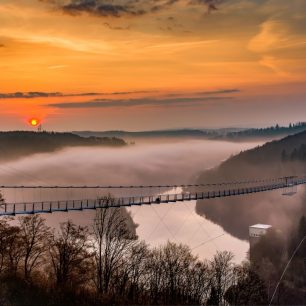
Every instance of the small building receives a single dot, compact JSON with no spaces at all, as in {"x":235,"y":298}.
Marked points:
{"x":256,"y":232}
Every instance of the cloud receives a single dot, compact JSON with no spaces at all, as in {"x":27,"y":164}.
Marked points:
{"x":39,"y":94}
{"x":212,"y":5}
{"x":106,"y":103}
{"x":101,"y":8}
{"x":110,"y":26}
{"x":273,"y":35}
{"x":220,"y":91}
{"x":116,"y":8}
{"x":207,"y":93}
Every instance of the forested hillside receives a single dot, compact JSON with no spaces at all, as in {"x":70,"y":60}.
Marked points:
{"x":269,"y":132}
{"x":17,"y":144}
{"x":275,"y":159}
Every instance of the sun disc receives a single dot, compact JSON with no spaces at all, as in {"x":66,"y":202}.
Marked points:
{"x":34,"y":122}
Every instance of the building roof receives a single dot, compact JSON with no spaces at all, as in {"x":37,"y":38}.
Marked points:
{"x":263,"y":226}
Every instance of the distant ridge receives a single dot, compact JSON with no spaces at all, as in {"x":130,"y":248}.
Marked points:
{"x":229,"y":134}
{"x":150,"y":134}
{"x":16,"y":144}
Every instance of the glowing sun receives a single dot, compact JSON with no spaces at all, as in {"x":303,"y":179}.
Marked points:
{"x":34,"y":122}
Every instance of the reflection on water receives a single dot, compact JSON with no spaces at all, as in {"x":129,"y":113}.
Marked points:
{"x":178,"y":222}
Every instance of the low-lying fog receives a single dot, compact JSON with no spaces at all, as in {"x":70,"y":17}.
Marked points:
{"x":144,"y":164}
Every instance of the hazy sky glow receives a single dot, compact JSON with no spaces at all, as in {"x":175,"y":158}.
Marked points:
{"x":152,"y":64}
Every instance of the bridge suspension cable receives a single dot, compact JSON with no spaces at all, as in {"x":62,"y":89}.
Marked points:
{"x":241,"y":182}
{"x":105,"y":202}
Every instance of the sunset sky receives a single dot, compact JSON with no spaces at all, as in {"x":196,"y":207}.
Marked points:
{"x":152,"y":64}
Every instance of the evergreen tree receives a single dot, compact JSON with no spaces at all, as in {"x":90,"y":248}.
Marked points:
{"x":2,"y":201}
{"x":301,"y":233}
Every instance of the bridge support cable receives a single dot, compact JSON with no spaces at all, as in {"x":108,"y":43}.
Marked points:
{"x":207,"y":241}
{"x":164,"y":223}
{"x":201,"y":225}
{"x":159,"y":222}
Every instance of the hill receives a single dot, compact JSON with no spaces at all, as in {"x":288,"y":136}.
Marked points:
{"x":191,"y":133}
{"x":274,"y":159}
{"x":18,"y":144}
{"x":271,"y":132}
{"x":228,"y":134}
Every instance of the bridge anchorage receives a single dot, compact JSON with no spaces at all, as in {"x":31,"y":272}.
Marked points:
{"x":217,"y":190}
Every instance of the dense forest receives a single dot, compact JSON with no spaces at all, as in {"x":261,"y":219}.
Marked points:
{"x":274,"y":159}
{"x":269,"y":132}
{"x":270,"y":152}
{"x":21,"y":143}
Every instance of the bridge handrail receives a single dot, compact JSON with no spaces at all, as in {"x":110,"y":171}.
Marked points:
{"x":77,"y":204}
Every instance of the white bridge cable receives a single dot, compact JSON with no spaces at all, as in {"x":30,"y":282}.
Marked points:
{"x":187,"y":217}
{"x":209,"y":240}
{"x":241,"y":182}
{"x":159,"y":222}
{"x":164,"y":223}
{"x":200,"y":224}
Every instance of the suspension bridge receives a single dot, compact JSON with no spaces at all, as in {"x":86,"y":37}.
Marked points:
{"x":216,"y":190}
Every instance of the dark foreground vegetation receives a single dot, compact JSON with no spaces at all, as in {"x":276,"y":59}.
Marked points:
{"x":21,"y":143}
{"x":106,"y":264}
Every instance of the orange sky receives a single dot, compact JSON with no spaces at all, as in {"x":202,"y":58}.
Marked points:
{"x":176,"y":63}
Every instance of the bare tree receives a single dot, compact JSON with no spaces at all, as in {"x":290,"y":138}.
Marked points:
{"x":222,"y":276}
{"x":34,"y":235}
{"x":247,"y":287}
{"x":14,"y":250}
{"x":198,"y":282}
{"x":69,"y":254}
{"x":4,"y":227}
{"x":176,"y":263}
{"x":176,"y":276}
{"x":131,"y":278}
{"x":155,"y":277}
{"x":112,"y":242}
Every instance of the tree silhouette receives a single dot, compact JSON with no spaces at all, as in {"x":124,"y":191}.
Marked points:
{"x":69,"y":254}
{"x":34,"y":234}
{"x":112,"y":241}
{"x":2,"y":200}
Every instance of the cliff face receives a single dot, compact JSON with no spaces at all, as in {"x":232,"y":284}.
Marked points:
{"x":272,"y":160}
{"x":18,"y":144}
